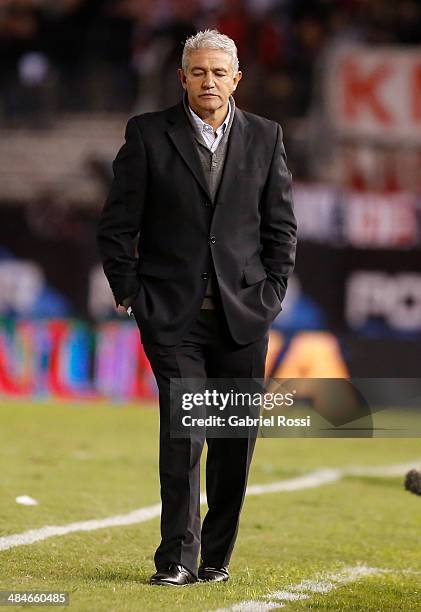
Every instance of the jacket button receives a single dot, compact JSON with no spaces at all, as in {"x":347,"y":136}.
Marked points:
{"x":204,"y":276}
{"x":213,"y":239}
{"x":206,"y":204}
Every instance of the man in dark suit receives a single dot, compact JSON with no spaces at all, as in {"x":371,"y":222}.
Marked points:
{"x":206,"y":187}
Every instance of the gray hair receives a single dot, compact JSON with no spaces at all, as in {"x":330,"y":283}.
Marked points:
{"x":210,"y":39}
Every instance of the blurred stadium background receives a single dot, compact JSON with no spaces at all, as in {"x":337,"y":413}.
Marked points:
{"x":344,"y":80}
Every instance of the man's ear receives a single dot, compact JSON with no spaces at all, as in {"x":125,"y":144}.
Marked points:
{"x":237,"y":79}
{"x":182,"y":77}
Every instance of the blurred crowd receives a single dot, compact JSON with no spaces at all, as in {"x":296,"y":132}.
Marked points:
{"x":121,"y":55}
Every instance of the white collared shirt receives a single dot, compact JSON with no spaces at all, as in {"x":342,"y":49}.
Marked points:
{"x":212,"y":137}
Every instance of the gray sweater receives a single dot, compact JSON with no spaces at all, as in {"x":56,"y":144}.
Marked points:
{"x":213,"y":166}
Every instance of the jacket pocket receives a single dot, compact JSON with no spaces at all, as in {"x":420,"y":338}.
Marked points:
{"x":254,"y":273}
{"x":151,"y":268}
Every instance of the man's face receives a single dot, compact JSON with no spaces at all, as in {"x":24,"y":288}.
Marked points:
{"x":209,"y":80}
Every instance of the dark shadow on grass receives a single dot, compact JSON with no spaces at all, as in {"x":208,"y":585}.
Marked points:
{"x":140,"y":576}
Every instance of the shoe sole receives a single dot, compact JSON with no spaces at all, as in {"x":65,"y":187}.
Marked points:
{"x":171,"y":584}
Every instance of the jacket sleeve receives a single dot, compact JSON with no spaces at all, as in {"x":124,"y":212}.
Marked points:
{"x":278,"y":227}
{"x":120,"y":219}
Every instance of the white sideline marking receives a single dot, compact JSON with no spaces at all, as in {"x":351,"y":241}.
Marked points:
{"x":36,"y":535}
{"x":311,"y":480}
{"x":288,"y":596}
{"x":253,"y":606}
{"x":328,"y":582}
{"x":386,"y":470}
{"x":308,"y":481}
{"x":323,"y":584}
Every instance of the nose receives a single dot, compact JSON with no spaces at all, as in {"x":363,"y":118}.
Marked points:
{"x":208,"y":81}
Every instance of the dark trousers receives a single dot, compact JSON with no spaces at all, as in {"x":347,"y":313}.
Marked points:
{"x":207,"y":351}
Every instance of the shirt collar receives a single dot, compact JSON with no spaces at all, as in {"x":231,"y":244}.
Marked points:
{"x":201,"y":124}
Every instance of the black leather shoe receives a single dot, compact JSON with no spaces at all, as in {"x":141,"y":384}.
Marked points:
{"x":207,"y":573}
{"x":173,"y":575}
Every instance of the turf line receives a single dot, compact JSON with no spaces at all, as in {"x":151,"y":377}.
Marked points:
{"x":316,"y":478}
{"x":323,"y":584}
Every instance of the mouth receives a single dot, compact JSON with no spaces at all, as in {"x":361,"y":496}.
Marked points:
{"x":208,"y":96}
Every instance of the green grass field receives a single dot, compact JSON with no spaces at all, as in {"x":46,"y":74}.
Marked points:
{"x":94,"y":461}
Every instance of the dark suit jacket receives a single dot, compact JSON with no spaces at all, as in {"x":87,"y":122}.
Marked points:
{"x":249,"y":236}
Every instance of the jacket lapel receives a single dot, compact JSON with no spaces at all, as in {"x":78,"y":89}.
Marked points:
{"x":181,"y":135}
{"x":238,"y":143}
